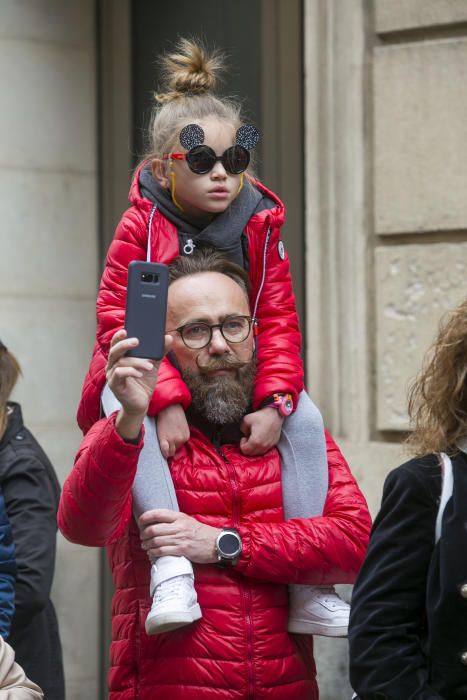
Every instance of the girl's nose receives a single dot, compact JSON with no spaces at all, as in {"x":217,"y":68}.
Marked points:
{"x":218,"y":171}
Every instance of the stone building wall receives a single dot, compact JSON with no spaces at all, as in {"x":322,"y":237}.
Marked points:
{"x":386,"y":173}
{"x":386,"y":176}
{"x":48,"y":261}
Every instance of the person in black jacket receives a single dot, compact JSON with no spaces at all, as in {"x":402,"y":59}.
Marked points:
{"x":408,"y":622}
{"x":31,"y":491}
{"x":7,"y":572}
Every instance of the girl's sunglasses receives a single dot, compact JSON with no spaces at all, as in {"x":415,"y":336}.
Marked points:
{"x":202,"y":159}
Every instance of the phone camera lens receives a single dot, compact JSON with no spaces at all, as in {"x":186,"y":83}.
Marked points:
{"x":146,"y":277}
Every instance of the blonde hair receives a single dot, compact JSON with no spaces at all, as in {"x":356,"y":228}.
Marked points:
{"x":190,"y":76}
{"x":9,"y":373}
{"x":438,"y":397}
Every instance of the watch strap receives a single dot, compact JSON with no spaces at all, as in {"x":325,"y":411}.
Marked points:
{"x":281,"y":401}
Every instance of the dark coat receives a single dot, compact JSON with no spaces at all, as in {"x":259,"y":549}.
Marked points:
{"x":408,"y":623}
{"x":7,"y":572}
{"x":32,"y":492}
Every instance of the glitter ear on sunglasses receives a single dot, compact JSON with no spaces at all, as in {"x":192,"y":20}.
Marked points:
{"x":191,"y":135}
{"x":247,"y":136}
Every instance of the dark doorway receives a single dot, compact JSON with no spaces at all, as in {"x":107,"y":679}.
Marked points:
{"x":230,"y":26}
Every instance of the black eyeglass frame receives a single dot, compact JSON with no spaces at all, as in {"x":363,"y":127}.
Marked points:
{"x":181,"y":329}
{"x":194,"y":152}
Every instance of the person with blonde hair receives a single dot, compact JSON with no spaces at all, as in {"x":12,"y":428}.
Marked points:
{"x":31,"y":491}
{"x":194,"y":189}
{"x":408,"y":622}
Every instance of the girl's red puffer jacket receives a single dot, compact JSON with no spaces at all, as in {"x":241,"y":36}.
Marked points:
{"x":279,"y":366}
{"x":240,"y":649}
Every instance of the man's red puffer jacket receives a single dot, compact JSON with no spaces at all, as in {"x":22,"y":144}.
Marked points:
{"x":240,"y":649}
{"x":272,"y":302}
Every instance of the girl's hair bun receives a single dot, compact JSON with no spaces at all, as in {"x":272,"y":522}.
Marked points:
{"x":190,"y":70}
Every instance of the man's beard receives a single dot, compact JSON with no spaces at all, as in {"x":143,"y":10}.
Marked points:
{"x":225,"y":398}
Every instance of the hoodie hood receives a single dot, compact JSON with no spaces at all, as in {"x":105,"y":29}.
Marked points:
{"x":271,"y":206}
{"x":224,"y":232}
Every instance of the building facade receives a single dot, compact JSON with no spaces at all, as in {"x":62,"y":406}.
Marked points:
{"x":364,"y":104}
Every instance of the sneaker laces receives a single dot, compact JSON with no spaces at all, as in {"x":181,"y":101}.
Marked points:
{"x":172,"y":589}
{"x":329,"y":596}
{"x":332,"y":603}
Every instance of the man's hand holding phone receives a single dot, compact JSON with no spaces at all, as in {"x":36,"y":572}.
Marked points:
{"x":132,"y":380}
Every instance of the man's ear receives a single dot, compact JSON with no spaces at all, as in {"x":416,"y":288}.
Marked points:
{"x":159,"y":172}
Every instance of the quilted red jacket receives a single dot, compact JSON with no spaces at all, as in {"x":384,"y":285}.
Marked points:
{"x":272,"y":301}
{"x":240,"y":649}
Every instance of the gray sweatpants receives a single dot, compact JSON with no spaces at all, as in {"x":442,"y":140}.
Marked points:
{"x":303,"y":462}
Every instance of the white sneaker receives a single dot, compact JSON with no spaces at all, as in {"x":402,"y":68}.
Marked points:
{"x":317,"y":610}
{"x":174,"y":604}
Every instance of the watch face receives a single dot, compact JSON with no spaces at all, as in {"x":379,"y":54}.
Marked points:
{"x":288,"y":406}
{"x":229,"y":544}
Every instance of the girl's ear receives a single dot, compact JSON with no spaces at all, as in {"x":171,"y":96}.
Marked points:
{"x":159,"y":172}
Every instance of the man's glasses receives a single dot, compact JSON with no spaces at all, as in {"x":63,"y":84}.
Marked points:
{"x":198,"y":334}
{"x":202,"y":159}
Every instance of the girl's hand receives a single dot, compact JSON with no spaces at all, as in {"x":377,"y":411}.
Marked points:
{"x":262,"y":430}
{"x":172,"y":429}
{"x":167,"y":532}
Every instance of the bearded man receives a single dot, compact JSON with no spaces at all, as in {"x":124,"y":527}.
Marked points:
{"x":240,"y":648}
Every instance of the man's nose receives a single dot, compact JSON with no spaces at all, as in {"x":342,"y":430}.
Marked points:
{"x":218,"y":344}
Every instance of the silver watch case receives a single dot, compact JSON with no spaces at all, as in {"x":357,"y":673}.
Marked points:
{"x":228,"y":547}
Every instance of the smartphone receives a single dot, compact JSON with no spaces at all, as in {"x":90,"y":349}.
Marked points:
{"x":146,"y":307}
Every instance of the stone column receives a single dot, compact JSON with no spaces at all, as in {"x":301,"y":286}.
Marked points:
{"x":386,"y":175}
{"x":48,"y":261}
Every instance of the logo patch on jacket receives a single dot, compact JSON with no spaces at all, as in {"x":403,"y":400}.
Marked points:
{"x":281,"y":250}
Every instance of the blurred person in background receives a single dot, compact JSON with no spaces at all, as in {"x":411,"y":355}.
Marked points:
{"x":7,"y":572}
{"x":408,"y":620}
{"x":14,"y":683}
{"x":31,"y":492}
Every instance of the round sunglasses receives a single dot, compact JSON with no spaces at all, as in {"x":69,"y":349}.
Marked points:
{"x":202,"y":159}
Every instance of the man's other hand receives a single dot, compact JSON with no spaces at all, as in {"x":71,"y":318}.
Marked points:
{"x":262,"y":430}
{"x":167,"y":532}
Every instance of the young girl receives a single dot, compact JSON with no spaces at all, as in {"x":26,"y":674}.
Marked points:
{"x":408,"y":623}
{"x":193,"y":190}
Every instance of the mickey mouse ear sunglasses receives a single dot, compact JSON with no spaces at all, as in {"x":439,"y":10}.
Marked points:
{"x":201,"y":159}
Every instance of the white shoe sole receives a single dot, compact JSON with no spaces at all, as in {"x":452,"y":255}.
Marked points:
{"x":307,"y":627}
{"x":165,"y":622}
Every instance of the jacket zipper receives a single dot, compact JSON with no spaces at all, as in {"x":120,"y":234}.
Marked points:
{"x":138,"y":650}
{"x":245,"y":590}
{"x":249,"y":631}
{"x":263,"y":276}
{"x":234,"y":485}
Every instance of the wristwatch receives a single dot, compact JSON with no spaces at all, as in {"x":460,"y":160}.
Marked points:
{"x":283,"y":403}
{"x":228,"y":547}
